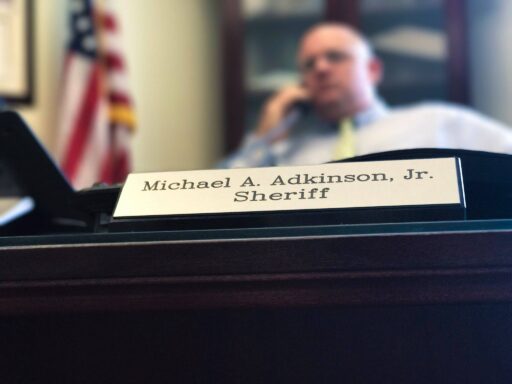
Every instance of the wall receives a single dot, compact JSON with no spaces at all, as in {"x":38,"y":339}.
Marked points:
{"x":490,"y":28}
{"x":50,"y":36}
{"x":173,"y":56}
{"x":172,"y":51}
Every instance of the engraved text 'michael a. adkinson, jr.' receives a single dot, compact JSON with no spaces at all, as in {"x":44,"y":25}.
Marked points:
{"x":304,"y":179}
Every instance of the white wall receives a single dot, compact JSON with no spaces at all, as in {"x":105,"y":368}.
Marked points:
{"x":490,"y":28}
{"x":172,"y":49}
{"x":49,"y":36}
{"x":173,"y":53}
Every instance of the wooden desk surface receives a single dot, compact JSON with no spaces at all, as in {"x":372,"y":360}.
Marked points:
{"x":415,"y":303}
{"x":291,"y":267}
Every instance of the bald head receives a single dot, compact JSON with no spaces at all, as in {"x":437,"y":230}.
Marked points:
{"x":338,"y":69}
{"x":343,"y":33}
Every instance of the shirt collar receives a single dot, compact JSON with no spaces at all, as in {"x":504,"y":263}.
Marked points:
{"x":371,"y":114}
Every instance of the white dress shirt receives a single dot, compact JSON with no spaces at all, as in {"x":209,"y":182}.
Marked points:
{"x":378,"y":129}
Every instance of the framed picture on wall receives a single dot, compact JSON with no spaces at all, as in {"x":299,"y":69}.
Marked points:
{"x":16,"y":51}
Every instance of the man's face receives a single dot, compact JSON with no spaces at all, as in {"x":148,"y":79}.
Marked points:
{"x":337,"y":70}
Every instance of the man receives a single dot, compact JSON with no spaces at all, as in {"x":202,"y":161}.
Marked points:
{"x":340,"y":75}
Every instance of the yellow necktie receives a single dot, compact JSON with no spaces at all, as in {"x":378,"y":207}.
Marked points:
{"x":345,"y":146}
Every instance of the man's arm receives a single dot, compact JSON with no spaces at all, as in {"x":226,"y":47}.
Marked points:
{"x":275,"y":122}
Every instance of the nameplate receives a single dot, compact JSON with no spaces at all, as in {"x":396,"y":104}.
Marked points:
{"x":329,"y":186}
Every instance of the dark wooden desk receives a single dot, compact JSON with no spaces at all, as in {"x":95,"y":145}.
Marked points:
{"x":404,"y":303}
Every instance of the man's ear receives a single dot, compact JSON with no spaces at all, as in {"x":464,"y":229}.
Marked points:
{"x":376,"y":70}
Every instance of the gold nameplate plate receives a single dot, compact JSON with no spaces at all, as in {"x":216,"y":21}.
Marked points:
{"x":328,"y":186}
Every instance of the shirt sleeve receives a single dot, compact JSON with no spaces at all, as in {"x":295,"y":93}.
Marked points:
{"x":254,"y":152}
{"x":476,"y":131}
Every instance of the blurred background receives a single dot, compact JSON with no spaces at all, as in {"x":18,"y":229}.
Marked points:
{"x":199,"y":70}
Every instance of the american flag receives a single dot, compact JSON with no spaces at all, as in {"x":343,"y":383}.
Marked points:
{"x":97,"y":117}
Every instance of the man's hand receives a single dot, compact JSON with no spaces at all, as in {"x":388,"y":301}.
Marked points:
{"x":277,"y":107}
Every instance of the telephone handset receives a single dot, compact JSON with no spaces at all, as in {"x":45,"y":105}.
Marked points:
{"x":296,"y":112}
{"x":291,"y":98}
{"x":304,"y":107}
